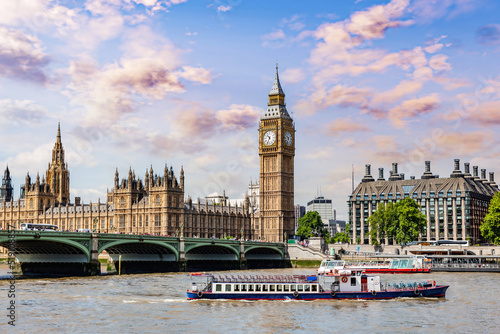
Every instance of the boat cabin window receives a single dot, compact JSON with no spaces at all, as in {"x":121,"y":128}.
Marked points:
{"x":307,"y":288}
{"x":286,"y":288}
{"x":250,"y":287}
{"x":272,"y":287}
{"x":228,"y":287}
{"x":300,"y":288}
{"x":236,"y":287}
{"x":279,"y":287}
{"x":292,"y":287}
{"x":258,"y":288}
{"x":314,"y":288}
{"x":265,"y":287}
{"x":353,"y":281}
{"x":243,"y":287}
{"x":218,"y":287}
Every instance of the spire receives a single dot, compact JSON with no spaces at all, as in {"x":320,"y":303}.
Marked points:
{"x":276,"y":88}
{"x":276,"y":107}
{"x":59,"y":132}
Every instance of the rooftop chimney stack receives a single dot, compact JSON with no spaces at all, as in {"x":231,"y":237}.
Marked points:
{"x":394,"y":168}
{"x":492,"y":177}
{"x":394,"y":173}
{"x":475,"y":171}
{"x":456,"y":170}
{"x":368,"y":177}
{"x":427,"y":173}
{"x":381,"y":174}
{"x":483,"y":174}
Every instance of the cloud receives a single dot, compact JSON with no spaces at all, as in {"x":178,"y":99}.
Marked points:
{"x":412,"y":109}
{"x":22,"y":56}
{"x":151,"y":68}
{"x":293,"y":23}
{"x":21,"y":11}
{"x":487,"y":114}
{"x":223,"y":9}
{"x":342,"y":125}
{"x":426,"y":11}
{"x":35,"y":160}
{"x":293,"y":75}
{"x":373,"y":22}
{"x":238,"y":117}
{"x":438,"y":63}
{"x":405,"y":87}
{"x":272,"y":37}
{"x":489,"y":34}
{"x":14,"y":112}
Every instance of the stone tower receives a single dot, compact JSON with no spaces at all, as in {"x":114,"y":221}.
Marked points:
{"x":58,"y":174}
{"x":276,"y":151}
{"x":6,"y":189}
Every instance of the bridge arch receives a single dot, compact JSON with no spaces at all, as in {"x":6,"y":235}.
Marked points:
{"x":147,"y":245}
{"x":212,"y":251}
{"x":42,"y":249}
{"x":263,"y":250}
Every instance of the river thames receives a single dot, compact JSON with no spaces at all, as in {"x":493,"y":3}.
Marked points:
{"x":156,"y":303}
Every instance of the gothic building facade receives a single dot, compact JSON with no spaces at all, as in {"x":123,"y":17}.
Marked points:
{"x":454,"y":206}
{"x":156,"y":204}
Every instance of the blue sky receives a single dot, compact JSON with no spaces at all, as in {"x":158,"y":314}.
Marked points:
{"x":136,"y":83}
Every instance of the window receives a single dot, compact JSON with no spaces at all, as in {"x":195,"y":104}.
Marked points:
{"x":314,"y":288}
{"x":286,"y":288}
{"x":300,"y":287}
{"x":272,"y":287}
{"x":122,"y":202}
{"x":218,"y":287}
{"x":307,"y":288}
{"x":243,"y":287}
{"x":122,"y":221}
{"x":279,"y":288}
{"x":258,"y":288}
{"x":236,"y":287}
{"x":228,"y":287}
{"x":158,"y":200}
{"x":157,"y":220}
{"x":292,"y":287}
{"x":265,"y":287}
{"x":250,"y":287}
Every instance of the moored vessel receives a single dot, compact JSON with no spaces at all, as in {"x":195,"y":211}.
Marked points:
{"x":345,"y":284}
{"x":415,"y":264}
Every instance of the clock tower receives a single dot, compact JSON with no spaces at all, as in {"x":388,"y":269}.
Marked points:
{"x":276,"y":151}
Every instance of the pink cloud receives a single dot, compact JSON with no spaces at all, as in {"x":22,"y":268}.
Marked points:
{"x":238,"y":117}
{"x":412,"y":109}
{"x":341,"y":125}
{"x":22,"y":56}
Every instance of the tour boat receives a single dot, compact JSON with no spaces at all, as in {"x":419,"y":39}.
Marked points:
{"x":345,"y":284}
{"x":415,"y":264}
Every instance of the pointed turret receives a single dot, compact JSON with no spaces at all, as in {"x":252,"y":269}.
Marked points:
{"x":182,"y":178}
{"x":276,"y":107}
{"x":6,"y":189}
{"x":117,"y":179}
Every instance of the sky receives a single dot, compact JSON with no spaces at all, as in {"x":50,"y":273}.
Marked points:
{"x":140,"y":83}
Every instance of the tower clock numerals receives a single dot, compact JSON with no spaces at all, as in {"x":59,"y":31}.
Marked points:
{"x":269,"y":138}
{"x":288,"y":138}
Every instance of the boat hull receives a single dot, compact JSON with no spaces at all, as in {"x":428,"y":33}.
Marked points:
{"x":396,"y":271}
{"x":431,"y":292}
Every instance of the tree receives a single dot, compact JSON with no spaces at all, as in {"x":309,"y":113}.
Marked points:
{"x":343,"y":236}
{"x":410,"y":223}
{"x":311,"y":225}
{"x":490,"y":228}
{"x":383,"y":220}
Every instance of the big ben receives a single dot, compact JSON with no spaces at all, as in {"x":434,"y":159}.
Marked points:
{"x":276,"y":151}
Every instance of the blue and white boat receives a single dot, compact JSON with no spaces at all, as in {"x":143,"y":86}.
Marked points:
{"x":345,"y":284}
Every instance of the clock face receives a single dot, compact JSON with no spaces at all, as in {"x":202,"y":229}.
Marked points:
{"x":288,"y":138}
{"x":269,"y":138}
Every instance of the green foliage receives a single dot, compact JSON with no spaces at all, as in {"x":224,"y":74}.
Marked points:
{"x":311,"y":225}
{"x":411,"y":221}
{"x":343,"y":236}
{"x":402,"y":222}
{"x":490,"y":228}
{"x":358,"y":239}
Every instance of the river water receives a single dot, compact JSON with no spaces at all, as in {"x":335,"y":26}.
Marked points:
{"x":156,"y":303}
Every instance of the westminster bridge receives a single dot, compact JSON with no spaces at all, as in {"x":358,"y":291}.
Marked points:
{"x":72,"y":254}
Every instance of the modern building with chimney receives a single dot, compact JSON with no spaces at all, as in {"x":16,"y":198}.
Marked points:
{"x":455,"y":206}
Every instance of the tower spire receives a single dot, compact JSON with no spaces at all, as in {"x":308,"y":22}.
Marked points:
{"x":276,"y":107}
{"x":59,"y":132}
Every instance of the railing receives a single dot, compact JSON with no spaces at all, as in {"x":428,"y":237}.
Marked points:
{"x":465,"y":265}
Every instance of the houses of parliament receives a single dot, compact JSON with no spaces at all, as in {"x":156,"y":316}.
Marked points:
{"x":156,"y":204}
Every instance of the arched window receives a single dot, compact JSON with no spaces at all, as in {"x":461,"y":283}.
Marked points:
{"x":122,"y":202}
